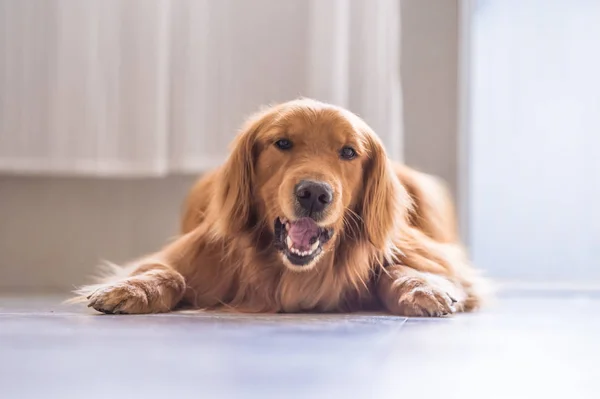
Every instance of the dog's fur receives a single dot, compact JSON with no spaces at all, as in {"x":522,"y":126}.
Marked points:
{"x":395,"y":245}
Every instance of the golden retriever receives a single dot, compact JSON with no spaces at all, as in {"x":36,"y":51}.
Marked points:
{"x":306,"y":214}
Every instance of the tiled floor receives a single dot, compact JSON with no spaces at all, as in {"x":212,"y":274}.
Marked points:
{"x":526,"y":346}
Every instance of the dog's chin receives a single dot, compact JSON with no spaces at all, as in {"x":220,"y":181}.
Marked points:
{"x":306,"y":256}
{"x":295,"y":267}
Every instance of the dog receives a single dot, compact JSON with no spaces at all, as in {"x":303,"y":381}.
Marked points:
{"x":307,"y":214}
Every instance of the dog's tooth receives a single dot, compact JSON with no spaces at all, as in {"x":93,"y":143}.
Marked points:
{"x":289,"y":242}
{"x":314,"y":247}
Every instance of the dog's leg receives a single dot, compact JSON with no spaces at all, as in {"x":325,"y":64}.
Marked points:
{"x":408,"y":292}
{"x":150,"y":288}
{"x":151,"y":285}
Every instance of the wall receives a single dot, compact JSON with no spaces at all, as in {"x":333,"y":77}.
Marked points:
{"x":54,"y":231}
{"x":429,"y":86}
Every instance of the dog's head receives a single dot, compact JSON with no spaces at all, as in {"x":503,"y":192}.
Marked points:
{"x":313,"y":174}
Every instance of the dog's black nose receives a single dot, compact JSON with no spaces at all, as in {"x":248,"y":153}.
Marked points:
{"x":314,"y":196}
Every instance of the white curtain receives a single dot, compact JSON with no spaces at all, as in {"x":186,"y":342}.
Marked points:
{"x":151,"y":87}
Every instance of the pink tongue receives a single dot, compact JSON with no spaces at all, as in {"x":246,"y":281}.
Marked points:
{"x":301,"y":231}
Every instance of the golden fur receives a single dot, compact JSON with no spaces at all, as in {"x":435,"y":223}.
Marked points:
{"x":395,"y":245}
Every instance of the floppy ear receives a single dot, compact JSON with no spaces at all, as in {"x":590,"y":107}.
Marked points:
{"x":234,"y":190}
{"x":382,"y":208}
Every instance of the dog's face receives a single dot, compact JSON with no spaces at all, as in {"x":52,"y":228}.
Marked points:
{"x":308,"y":175}
{"x":314,"y":173}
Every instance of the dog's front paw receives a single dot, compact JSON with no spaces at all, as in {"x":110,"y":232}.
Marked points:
{"x":124,"y":297}
{"x":423,"y":300}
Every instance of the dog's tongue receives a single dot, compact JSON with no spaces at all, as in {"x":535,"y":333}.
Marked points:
{"x":302,"y":231}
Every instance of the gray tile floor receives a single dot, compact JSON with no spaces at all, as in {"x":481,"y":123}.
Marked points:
{"x":528,"y":345}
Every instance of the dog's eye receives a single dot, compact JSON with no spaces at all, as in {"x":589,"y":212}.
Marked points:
{"x":347,"y":153}
{"x":283,"y":144}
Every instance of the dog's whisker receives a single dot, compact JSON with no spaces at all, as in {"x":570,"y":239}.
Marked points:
{"x":352,"y":221}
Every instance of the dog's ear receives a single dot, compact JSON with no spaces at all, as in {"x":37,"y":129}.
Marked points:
{"x":234,"y":190}
{"x":385,"y":201}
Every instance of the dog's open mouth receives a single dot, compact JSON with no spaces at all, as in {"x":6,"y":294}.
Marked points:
{"x":301,"y":240}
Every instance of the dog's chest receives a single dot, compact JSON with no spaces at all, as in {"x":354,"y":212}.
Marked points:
{"x":298,"y":292}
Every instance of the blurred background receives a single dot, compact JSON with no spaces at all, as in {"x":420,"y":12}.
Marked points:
{"x":110,"y":109}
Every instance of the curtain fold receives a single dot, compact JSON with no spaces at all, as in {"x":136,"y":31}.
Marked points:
{"x":151,"y":87}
